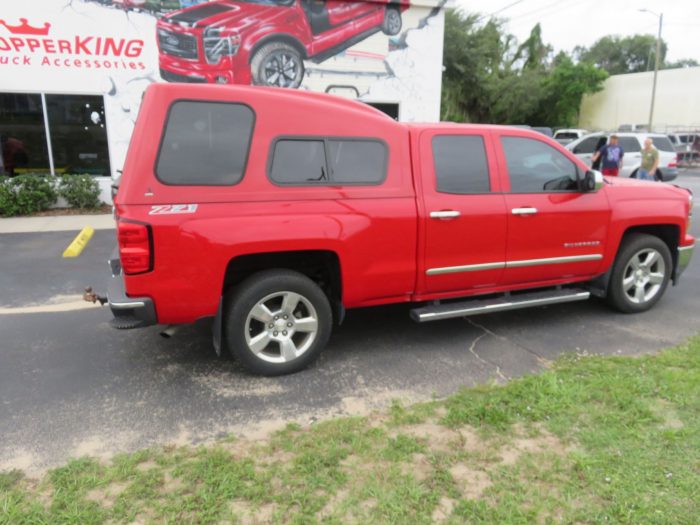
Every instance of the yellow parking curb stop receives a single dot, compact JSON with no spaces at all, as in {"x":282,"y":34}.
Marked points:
{"x":79,"y":243}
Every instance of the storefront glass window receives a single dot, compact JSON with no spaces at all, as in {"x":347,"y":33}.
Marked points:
{"x":22,"y":135}
{"x":78,"y":134}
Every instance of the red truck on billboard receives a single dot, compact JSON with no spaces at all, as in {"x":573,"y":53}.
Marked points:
{"x":265,"y":42}
{"x":272,"y":211}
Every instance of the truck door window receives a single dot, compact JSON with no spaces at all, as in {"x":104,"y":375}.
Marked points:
{"x":461,"y":166}
{"x":535,"y":167}
{"x":205,"y":144}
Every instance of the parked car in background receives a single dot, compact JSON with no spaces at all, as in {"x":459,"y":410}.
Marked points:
{"x":632,"y":144}
{"x":564,"y":136}
{"x":687,"y":145}
{"x":548,"y":132}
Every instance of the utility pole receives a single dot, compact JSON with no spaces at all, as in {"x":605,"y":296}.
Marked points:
{"x":656,"y":66}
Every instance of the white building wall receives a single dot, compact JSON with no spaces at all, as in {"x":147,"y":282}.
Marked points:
{"x":404,"y":69}
{"x":626,"y":99}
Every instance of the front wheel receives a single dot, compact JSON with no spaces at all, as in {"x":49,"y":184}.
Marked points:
{"x":277,"y":64}
{"x":277,"y":322}
{"x":640,"y":274}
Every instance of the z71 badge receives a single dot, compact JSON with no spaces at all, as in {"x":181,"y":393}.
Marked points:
{"x":170,"y":209}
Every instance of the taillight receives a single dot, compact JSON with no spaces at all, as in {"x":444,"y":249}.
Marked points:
{"x":134,"y":247}
{"x":674,"y":164}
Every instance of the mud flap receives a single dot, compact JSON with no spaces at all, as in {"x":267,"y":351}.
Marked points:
{"x":217,"y":328}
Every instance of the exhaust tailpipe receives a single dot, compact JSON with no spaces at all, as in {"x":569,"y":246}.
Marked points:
{"x":168,"y":331}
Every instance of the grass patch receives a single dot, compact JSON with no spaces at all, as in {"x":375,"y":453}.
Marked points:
{"x":590,"y":440}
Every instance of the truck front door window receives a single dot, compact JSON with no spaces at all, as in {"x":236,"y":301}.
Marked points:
{"x":534,"y":167}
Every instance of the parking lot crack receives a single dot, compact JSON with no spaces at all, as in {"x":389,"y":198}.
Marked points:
{"x":472,"y":349}
{"x":542,"y":360}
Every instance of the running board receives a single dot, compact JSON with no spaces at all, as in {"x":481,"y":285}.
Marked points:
{"x":497,"y":304}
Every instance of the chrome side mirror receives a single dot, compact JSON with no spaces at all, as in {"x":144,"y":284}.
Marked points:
{"x":593,"y":181}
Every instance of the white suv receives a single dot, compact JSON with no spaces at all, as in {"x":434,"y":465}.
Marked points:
{"x":564,"y":136}
{"x":632,"y":144}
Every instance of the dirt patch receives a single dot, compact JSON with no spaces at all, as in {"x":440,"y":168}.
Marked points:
{"x":472,"y":483}
{"x":436,"y":436}
{"x":443,"y":510}
{"x":146,"y":465}
{"x":250,"y":514}
{"x":21,"y":460}
{"x":334,"y":501}
{"x":665,"y":411}
{"x":541,"y":442}
{"x":419,"y":467}
{"x":171,"y":484}
{"x":106,"y":496}
{"x":221,"y":385}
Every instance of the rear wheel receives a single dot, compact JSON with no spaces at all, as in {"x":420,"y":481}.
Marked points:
{"x":640,"y":274}
{"x":277,"y":322}
{"x":391,"y":25}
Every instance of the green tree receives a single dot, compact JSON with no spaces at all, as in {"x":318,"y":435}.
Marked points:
{"x":564,"y":88}
{"x":685,"y":62}
{"x":489,"y":78}
{"x":632,"y":54}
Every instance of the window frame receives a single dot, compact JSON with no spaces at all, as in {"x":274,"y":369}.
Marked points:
{"x":506,"y":171}
{"x":326,"y":150}
{"x":244,"y":168}
{"x":484,"y":138}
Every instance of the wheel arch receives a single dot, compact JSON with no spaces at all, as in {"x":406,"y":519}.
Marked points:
{"x":321,"y":266}
{"x":668,"y":233}
{"x":278,"y":37}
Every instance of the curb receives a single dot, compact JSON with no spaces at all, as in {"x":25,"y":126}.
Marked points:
{"x":61,"y":223}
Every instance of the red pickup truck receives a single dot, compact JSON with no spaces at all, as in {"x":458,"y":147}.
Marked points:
{"x":273,"y":211}
{"x":265,"y":42}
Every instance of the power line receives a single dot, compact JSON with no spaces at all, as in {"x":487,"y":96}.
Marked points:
{"x":506,"y":7}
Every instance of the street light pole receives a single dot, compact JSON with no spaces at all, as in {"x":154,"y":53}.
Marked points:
{"x":656,"y":65}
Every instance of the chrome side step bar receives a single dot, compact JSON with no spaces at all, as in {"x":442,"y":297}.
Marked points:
{"x":497,"y":304}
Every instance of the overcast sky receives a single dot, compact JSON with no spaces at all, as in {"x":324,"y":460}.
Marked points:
{"x":568,"y":23}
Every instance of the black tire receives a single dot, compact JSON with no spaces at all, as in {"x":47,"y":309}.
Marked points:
{"x":244,"y":329}
{"x":277,"y":64}
{"x":392,"y":23}
{"x":636,"y":287}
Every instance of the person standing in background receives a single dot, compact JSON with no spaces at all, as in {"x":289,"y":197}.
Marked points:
{"x":650,"y":161}
{"x":611,"y":155}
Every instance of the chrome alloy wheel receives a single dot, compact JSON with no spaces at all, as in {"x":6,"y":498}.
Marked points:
{"x":281,"y":69}
{"x":643,"y":276}
{"x":281,"y":327}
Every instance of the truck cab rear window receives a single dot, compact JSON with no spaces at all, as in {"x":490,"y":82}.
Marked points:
{"x":328,"y":161}
{"x":205,"y":144}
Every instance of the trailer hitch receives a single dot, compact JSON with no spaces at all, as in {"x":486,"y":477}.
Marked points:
{"x":92,"y":297}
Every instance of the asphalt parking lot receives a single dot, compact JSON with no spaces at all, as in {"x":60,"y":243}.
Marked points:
{"x":71,"y":385}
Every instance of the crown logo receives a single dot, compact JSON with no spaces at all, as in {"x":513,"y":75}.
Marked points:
{"x":25,"y":29}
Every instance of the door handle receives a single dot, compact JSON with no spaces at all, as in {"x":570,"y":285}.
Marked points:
{"x":524,"y":211}
{"x":444,"y":214}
